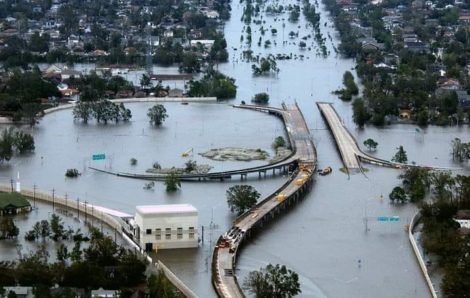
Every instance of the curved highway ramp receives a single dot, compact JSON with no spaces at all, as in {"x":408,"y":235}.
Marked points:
{"x":227,"y":248}
{"x":347,"y":146}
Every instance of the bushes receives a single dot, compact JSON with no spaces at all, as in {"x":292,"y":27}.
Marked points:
{"x":279,"y":142}
{"x":261,"y":98}
{"x":72,"y":173}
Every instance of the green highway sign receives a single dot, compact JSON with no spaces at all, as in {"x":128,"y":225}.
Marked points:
{"x":388,"y":218}
{"x":99,"y":156}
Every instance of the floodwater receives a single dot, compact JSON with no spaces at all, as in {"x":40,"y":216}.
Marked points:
{"x":324,"y":238}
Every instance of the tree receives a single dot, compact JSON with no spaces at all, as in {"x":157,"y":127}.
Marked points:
{"x":145,"y":81}
{"x":279,"y":142}
{"x":157,"y":114}
{"x":57,"y":227}
{"x":241,"y":198}
{"x":8,"y":229}
{"x":261,"y":98}
{"x":72,"y":173}
{"x":371,"y":144}
{"x":62,"y":253}
{"x":215,"y":84}
{"x":82,"y":110}
{"x":6,"y":144}
{"x":360,"y":114}
{"x":23,"y":142}
{"x":398,"y":195}
{"x":273,"y":281}
{"x":443,"y":183}
{"x":172,"y":182}
{"x":460,"y":150}
{"x":190,"y":166}
{"x":400,"y":156}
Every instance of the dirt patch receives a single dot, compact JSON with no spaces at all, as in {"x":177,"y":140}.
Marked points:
{"x":235,"y":154}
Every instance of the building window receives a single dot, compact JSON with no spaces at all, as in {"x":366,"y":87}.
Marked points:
{"x":158,"y":234}
{"x":179,"y":234}
{"x":148,"y":231}
{"x":167,"y":233}
{"x":191,"y":232}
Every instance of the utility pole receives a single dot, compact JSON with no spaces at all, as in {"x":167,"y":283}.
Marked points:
{"x":53,"y":203}
{"x":34,"y":195}
{"x":78,"y":208}
{"x":85,"y":210}
{"x":11,"y":182}
{"x":66,"y":207}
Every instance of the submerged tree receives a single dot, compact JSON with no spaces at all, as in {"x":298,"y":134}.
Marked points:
{"x":371,"y":144}
{"x":400,"y":156}
{"x":398,"y":195}
{"x":102,"y":110}
{"x":11,"y":141}
{"x":241,"y":198}
{"x":8,"y":229}
{"x":157,"y":114}
{"x":273,"y":281}
{"x":172,"y":182}
{"x":360,"y":114}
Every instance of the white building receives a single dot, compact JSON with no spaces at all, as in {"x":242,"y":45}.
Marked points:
{"x":166,"y":226}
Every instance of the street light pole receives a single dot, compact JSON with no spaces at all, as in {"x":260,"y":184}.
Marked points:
{"x":53,"y":194}
{"x":34,"y":195}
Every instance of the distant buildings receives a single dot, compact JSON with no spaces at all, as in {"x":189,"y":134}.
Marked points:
{"x":166,"y":226}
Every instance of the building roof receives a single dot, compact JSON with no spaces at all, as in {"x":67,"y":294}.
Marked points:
{"x":166,"y":209}
{"x":13,"y":199}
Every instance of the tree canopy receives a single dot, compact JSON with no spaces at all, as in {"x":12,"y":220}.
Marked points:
{"x":213,"y":83}
{"x":273,"y":281}
{"x":371,"y":144}
{"x":157,"y":114}
{"x":400,"y":156}
{"x":241,"y":198}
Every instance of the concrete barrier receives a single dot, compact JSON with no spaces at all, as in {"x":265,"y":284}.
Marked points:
{"x":176,"y":281}
{"x":422,"y":265}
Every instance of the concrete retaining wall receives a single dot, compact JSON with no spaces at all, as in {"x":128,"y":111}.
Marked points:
{"x":422,"y":265}
{"x":176,"y":281}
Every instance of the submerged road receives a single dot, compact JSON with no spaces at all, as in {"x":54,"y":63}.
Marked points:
{"x":225,"y":253}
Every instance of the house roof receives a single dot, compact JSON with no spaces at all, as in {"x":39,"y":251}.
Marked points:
{"x":13,"y":199}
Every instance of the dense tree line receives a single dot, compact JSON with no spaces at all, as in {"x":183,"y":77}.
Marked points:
{"x":440,"y":195}
{"x":20,"y":96}
{"x":101,"y":110}
{"x":14,"y":141}
{"x":213,"y":83}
